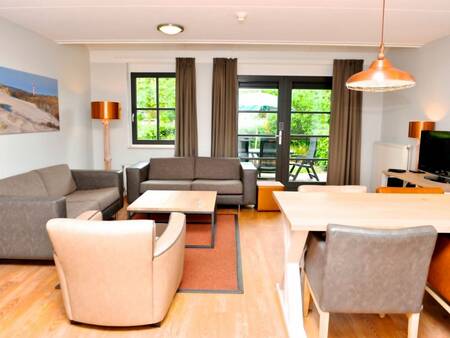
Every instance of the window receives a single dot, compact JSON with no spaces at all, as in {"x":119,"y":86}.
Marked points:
{"x":153,"y":108}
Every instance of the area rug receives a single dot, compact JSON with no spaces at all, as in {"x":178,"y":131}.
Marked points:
{"x":216,"y":270}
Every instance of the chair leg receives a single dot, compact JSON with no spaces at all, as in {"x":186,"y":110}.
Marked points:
{"x":413,"y":325}
{"x":299,"y":168}
{"x":314,"y":172}
{"x":306,"y":297}
{"x":323,"y":324}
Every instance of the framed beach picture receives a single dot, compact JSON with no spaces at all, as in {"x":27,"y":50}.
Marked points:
{"x":28,"y":102}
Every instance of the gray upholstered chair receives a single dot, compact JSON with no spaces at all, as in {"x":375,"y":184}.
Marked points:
{"x":358,"y":270}
{"x":117,"y":273}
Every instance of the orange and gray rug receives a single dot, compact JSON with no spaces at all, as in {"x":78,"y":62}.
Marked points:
{"x":211,"y":270}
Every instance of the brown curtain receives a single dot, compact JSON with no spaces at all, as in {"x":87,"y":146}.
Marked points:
{"x":186,"y":116}
{"x":224,"y":108}
{"x":345,"y":126}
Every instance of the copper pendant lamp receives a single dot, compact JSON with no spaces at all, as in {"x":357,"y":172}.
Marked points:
{"x":381,"y":75}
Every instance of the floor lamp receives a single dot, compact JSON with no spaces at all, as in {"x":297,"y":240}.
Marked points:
{"x":105,"y":111}
{"x":414,"y":131}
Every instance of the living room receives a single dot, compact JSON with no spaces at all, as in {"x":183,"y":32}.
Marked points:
{"x":231,"y":134}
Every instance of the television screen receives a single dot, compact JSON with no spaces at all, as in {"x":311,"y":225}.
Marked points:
{"x":434,"y":156}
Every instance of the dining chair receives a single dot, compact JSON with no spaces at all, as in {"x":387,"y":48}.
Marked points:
{"x":306,"y":162}
{"x":360,"y":270}
{"x":410,"y":190}
{"x":267,"y":156}
{"x":438,"y":283}
{"x":332,"y":188}
{"x":117,"y":273}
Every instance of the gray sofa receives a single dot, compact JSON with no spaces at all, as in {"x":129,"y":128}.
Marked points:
{"x":29,"y":200}
{"x":234,"y":182}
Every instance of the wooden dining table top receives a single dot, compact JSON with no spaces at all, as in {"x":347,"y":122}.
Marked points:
{"x":314,"y":211}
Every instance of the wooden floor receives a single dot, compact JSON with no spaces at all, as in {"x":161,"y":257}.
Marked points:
{"x":30,"y":306}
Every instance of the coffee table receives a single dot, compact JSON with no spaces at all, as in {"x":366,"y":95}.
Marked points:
{"x":187,"y":202}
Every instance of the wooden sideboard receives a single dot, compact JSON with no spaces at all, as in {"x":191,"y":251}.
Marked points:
{"x":414,"y":178}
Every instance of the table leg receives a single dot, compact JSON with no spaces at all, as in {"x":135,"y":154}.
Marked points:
{"x":289,"y":291}
{"x":213,"y":229}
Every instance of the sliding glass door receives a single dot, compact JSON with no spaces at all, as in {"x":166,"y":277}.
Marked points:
{"x":283,"y":127}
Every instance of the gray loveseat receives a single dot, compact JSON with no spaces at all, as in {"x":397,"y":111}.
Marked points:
{"x":234,"y":182}
{"x":29,"y":200}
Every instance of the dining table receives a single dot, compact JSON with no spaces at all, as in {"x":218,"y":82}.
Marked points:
{"x":313,"y":211}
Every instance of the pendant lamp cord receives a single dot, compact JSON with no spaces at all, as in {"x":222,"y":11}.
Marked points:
{"x":381,"y":52}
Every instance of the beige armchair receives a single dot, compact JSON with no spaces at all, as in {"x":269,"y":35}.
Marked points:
{"x":118,"y":273}
{"x":358,"y":270}
{"x":332,"y":188}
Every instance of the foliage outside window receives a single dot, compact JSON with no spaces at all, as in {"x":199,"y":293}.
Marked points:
{"x":310,"y":122}
{"x":153,"y":108}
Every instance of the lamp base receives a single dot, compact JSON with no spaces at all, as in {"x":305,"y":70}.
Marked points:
{"x":106,"y":145}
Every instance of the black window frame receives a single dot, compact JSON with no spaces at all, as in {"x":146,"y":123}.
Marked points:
{"x":134,"y":109}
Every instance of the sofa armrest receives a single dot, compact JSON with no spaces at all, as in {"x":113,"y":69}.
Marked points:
{"x":248,"y":177}
{"x":136,"y":174}
{"x":97,"y":179}
{"x":22,"y":226}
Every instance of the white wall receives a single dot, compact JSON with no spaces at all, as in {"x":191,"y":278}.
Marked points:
{"x":429,"y":100}
{"x":110,"y":67}
{"x":27,"y":51}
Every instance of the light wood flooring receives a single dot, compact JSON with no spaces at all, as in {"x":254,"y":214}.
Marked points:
{"x":30,"y":306}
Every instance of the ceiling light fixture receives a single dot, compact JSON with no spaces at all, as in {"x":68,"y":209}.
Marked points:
{"x":381,"y":75}
{"x":170,"y":28}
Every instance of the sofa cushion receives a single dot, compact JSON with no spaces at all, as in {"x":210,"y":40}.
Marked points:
{"x":104,"y":197}
{"x":174,"y":168}
{"x":217,"y":168}
{"x":26,"y":185}
{"x":76,"y":208}
{"x":57,"y":180}
{"x":165,"y":185}
{"x":223,"y":187}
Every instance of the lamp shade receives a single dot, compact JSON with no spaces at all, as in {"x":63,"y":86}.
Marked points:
{"x":416,"y":128}
{"x":105,"y":110}
{"x":380,"y":77}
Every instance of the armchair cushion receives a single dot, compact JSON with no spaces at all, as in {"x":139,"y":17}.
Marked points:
{"x":105,"y":197}
{"x":217,"y":168}
{"x":165,"y":185}
{"x":174,"y":168}
{"x":58,"y":180}
{"x":223,"y":187}
{"x":29,"y":184}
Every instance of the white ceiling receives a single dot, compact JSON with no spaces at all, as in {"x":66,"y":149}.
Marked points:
{"x":300,"y":22}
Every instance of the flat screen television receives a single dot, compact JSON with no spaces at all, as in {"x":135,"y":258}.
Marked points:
{"x":434,"y":156}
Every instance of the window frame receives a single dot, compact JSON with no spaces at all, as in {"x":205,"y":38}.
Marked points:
{"x":134,"y":109}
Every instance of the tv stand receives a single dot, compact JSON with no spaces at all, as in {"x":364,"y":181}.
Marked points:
{"x":437,"y":178}
{"x":417,"y":179}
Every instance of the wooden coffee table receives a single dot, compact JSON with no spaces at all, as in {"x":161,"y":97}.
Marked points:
{"x":187,"y":202}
